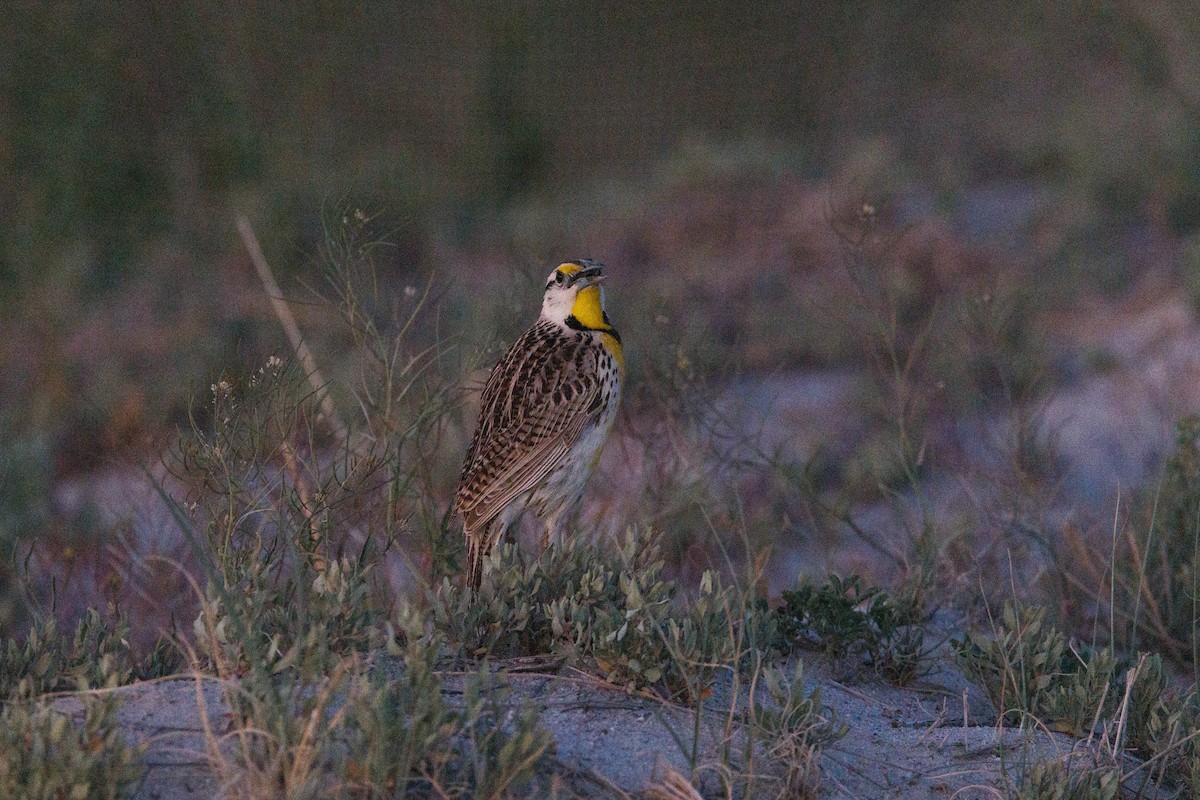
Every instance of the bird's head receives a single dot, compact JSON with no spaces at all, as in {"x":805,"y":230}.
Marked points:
{"x":574,"y":296}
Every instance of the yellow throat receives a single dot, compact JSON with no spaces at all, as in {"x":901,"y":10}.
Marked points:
{"x":589,"y":311}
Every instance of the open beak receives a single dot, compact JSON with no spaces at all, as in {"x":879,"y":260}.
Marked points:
{"x":589,"y":276}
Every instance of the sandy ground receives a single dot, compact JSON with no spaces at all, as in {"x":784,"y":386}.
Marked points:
{"x":937,"y":739}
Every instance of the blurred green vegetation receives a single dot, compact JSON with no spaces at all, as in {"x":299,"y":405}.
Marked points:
{"x":132,"y":133}
{"x":127,"y":122}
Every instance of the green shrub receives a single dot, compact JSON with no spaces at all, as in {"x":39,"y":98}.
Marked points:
{"x":605,"y":605}
{"x":47,"y":755}
{"x":48,"y":661}
{"x":44,"y":752}
{"x":1164,"y":727}
{"x":1035,"y":676}
{"x":1032,"y":674}
{"x":857,"y":627}
{"x":263,"y":620}
{"x":305,"y":728}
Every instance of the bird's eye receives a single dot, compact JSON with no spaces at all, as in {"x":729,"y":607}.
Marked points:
{"x":559,"y":278}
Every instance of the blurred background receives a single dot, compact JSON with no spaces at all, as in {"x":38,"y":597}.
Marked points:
{"x":1018,"y":183}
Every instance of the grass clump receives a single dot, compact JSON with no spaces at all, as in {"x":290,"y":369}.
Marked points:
{"x":313,"y":722}
{"x":1161,"y":578}
{"x":265,"y":617}
{"x":48,"y":661}
{"x":401,"y":724}
{"x":1164,"y":727}
{"x":607,"y":609}
{"x":71,"y":747}
{"x":281,"y":683}
{"x":402,"y":736}
{"x":1036,"y":677}
{"x":1058,"y":780}
{"x":500,"y":760}
{"x":794,"y":726}
{"x":312,"y":718}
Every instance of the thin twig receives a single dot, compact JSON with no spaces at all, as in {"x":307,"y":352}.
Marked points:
{"x":303,"y":354}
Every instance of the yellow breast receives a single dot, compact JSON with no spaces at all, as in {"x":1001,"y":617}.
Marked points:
{"x":613,"y":345}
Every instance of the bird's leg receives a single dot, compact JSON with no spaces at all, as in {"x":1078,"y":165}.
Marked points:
{"x":480,"y":544}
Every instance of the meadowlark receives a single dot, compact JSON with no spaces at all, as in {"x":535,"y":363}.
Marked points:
{"x":546,"y":411}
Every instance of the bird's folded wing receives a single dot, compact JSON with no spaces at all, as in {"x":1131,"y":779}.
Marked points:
{"x":522,"y":452}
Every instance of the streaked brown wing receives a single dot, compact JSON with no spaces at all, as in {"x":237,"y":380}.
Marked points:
{"x":536,"y":402}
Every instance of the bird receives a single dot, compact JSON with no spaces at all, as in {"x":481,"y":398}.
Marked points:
{"x":546,"y":411}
